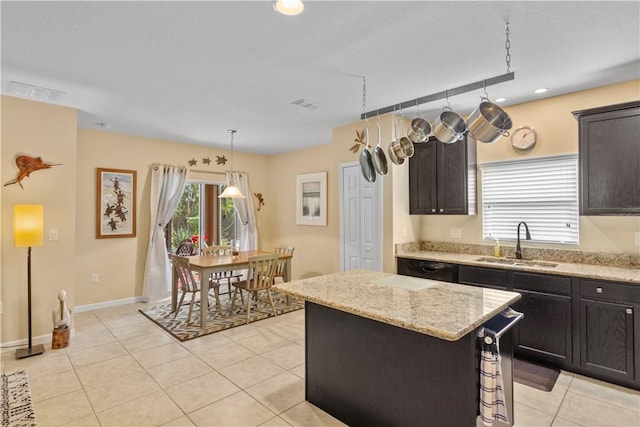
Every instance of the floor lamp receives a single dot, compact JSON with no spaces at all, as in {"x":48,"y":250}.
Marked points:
{"x":28,"y":230}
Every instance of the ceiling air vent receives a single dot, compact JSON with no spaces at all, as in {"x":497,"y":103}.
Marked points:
{"x":306,"y":103}
{"x":35,"y":92}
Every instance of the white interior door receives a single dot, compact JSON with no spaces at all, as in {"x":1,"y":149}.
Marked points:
{"x":360,"y":220}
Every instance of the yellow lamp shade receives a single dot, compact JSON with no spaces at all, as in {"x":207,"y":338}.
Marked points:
{"x":28,"y":225}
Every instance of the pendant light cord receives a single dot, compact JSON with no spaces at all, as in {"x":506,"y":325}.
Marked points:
{"x":232,"y":132}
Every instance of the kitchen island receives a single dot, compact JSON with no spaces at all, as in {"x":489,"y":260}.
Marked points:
{"x":383,"y":349}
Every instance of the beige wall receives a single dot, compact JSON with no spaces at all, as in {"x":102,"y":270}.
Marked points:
{"x":68,"y":194}
{"x":47,"y":131}
{"x":557,"y":134}
{"x":120,"y":262}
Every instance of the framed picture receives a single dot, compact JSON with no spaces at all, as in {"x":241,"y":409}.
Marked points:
{"x":311,"y":199}
{"x":115,"y":203}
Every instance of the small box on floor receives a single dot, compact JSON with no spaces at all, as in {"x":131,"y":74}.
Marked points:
{"x":60,"y":337}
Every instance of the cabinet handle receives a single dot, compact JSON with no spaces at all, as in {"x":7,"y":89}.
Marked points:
{"x":433,"y":210}
{"x":598,"y":290}
{"x":629,"y":311}
{"x":441,"y":210}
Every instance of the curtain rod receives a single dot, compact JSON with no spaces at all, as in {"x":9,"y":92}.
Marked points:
{"x":212,"y":172}
{"x":440,"y":95}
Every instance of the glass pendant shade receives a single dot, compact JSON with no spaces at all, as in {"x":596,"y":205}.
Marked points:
{"x":231,"y":191}
{"x":288,"y":7}
{"x":28,"y":225}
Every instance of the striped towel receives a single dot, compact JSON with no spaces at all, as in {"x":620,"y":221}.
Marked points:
{"x":492,"y":403}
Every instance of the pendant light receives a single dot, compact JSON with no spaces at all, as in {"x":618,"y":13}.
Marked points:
{"x":231,"y":191}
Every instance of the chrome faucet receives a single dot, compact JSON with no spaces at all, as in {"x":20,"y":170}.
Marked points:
{"x":528,"y":237}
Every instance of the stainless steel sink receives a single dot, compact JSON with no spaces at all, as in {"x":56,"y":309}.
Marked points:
{"x":515,"y":261}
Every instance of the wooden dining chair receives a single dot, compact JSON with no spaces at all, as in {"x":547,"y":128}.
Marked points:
{"x":189,"y":284}
{"x":259,"y":278}
{"x":223,"y":276}
{"x":282,"y":250}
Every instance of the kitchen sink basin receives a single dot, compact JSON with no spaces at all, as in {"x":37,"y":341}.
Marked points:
{"x":515,"y":261}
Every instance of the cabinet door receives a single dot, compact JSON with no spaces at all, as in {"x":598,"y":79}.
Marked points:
{"x":545,"y":330}
{"x":423,"y":180}
{"x":609,"y":158}
{"x":606,"y":338}
{"x":452,"y":177}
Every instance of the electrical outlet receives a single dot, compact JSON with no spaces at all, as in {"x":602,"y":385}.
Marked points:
{"x":53,"y":234}
{"x":456,"y":233}
{"x":95,"y":277}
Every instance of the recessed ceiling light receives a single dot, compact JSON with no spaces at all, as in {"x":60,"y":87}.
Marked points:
{"x":541,"y":90}
{"x":500,"y":99}
{"x":306,"y":103}
{"x":288,"y":7}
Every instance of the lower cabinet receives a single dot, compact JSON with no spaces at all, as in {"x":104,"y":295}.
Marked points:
{"x":610,"y":329}
{"x":588,"y":326}
{"x":546,"y":330}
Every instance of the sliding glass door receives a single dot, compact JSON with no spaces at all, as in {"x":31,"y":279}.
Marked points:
{"x":202,"y":218}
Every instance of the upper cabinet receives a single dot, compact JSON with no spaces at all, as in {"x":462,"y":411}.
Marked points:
{"x":609,"y":153}
{"x":442,"y":178}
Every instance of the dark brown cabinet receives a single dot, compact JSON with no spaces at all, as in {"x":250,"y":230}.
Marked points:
{"x":609,"y":154}
{"x":609,"y":329}
{"x":545,"y":332}
{"x":442,"y":178}
{"x":494,"y":278}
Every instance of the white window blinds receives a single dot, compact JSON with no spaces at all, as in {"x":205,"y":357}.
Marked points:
{"x":543,"y":192}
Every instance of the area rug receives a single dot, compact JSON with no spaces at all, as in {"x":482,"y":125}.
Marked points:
{"x":536,"y":376}
{"x":17,"y":407}
{"x":177,"y":327}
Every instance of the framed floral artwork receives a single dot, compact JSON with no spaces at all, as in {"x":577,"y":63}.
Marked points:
{"x":115,"y":203}
{"x":311,"y":199}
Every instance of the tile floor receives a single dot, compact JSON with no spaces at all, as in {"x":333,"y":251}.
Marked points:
{"x":122,"y":370}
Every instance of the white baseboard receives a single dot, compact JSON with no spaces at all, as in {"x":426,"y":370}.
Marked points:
{"x":106,"y":304}
{"x":46,"y":339}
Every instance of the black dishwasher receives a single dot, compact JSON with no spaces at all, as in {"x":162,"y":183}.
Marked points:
{"x":426,"y":269}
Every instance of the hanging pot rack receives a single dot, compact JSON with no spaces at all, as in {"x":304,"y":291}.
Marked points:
{"x":480,"y":84}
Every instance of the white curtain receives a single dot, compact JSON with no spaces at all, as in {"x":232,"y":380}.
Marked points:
{"x":248,"y":230}
{"x":167,"y":185}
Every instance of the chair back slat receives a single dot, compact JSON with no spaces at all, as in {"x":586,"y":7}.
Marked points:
{"x":261,"y":270}
{"x":185,"y":275}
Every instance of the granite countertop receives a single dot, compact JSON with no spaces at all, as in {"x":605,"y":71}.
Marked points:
{"x":619,"y":274}
{"x":439,"y":309}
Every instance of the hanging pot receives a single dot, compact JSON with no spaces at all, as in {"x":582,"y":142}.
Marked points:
{"x":396,"y":155}
{"x":419,"y":129}
{"x":366,"y":162}
{"x":449,"y":127}
{"x":379,"y":159}
{"x":405,"y":143}
{"x":488,"y":122}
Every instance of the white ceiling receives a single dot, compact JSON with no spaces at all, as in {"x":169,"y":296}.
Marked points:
{"x":188,"y":71}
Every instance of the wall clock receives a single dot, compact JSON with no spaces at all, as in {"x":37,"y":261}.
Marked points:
{"x":523,"y":138}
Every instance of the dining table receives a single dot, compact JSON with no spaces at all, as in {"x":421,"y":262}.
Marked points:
{"x":205,"y":265}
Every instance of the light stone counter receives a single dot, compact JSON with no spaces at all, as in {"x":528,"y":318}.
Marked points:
{"x":439,"y":309}
{"x":619,"y":274}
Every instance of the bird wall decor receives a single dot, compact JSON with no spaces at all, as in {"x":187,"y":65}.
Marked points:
{"x":260,"y":200}
{"x":359,"y":141}
{"x":27,"y":165}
